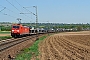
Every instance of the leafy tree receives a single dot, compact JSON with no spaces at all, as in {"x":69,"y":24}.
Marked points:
{"x":79,"y":28}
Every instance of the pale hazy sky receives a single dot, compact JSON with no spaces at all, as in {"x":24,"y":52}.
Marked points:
{"x":55,"y":11}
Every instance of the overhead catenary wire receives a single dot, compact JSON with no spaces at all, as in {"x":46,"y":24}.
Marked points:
{"x":5,"y":13}
{"x":3,"y":9}
{"x":19,"y":5}
{"x":25,"y":9}
{"x":13,"y":11}
{"x":15,"y":7}
{"x":28,"y":10}
{"x":8,"y":15}
{"x":8,"y":9}
{"x":22,"y":6}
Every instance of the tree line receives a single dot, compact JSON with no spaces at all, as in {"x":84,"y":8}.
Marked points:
{"x":65,"y":26}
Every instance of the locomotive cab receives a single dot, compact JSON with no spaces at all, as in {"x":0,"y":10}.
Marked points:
{"x":15,"y":31}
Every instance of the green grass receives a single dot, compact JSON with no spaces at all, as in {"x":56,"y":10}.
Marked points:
{"x":5,"y":32}
{"x":31,"y":51}
{"x":5,"y":37}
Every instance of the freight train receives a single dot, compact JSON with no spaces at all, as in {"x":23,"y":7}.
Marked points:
{"x":19,"y":30}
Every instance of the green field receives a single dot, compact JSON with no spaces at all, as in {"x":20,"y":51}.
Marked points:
{"x":5,"y":32}
{"x":27,"y":53}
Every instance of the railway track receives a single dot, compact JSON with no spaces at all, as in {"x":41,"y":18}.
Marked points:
{"x":11,"y":47}
{"x":11,"y":42}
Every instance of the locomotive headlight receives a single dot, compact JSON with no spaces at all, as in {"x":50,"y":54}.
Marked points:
{"x":12,"y":30}
{"x":17,"y":30}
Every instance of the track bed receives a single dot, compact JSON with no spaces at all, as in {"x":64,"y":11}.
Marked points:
{"x":9,"y":49}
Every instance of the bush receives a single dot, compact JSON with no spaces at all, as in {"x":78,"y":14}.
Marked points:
{"x":28,"y":52}
{"x":5,"y":28}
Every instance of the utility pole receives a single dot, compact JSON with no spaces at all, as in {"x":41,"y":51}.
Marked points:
{"x":30,"y":23}
{"x":48,"y":28}
{"x":36,"y":18}
{"x":36,"y":22}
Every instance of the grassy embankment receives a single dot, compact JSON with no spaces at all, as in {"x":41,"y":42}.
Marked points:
{"x":5,"y":37}
{"x":29,"y":52}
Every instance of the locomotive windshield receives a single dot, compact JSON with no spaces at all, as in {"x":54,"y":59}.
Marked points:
{"x":16,"y":27}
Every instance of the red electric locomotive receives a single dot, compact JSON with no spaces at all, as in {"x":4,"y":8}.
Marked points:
{"x":19,"y":30}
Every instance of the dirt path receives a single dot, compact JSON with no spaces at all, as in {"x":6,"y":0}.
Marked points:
{"x":66,"y":46}
{"x":4,"y":34}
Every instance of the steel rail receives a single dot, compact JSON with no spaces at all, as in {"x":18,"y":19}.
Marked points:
{"x":7,"y":45}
